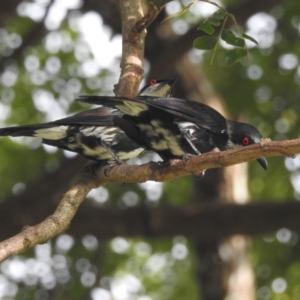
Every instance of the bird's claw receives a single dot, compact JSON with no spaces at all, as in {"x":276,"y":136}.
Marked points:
{"x":107,"y":167}
{"x":110,"y":166}
{"x":187,"y":156}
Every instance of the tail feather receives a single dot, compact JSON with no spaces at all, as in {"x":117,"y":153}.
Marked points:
{"x":26,"y":130}
{"x":58,"y":129}
{"x":44,"y":131}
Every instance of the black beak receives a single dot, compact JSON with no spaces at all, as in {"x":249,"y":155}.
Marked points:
{"x":263,"y":162}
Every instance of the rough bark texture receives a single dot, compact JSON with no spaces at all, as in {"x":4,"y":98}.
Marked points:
{"x":132,"y":63}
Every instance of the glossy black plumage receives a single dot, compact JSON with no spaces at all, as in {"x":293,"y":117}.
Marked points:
{"x":91,"y":133}
{"x":174,"y":127}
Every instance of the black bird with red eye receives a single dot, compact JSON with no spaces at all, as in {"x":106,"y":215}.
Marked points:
{"x":177,"y":128}
{"x":242,"y":134}
{"x":246,"y":141}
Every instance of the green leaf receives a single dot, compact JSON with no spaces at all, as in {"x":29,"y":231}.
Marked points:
{"x":213,"y":22}
{"x":205,"y":42}
{"x":238,"y":42}
{"x":235,"y":55}
{"x":217,"y":18}
{"x":230,"y":38}
{"x":250,"y":38}
{"x":206,"y":28}
{"x":219,"y":14}
{"x":227,"y":34}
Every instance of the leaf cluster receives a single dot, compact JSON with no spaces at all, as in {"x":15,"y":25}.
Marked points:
{"x":214,"y":27}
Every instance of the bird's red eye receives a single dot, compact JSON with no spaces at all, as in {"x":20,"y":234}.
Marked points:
{"x":153,"y":81}
{"x":246,"y":141}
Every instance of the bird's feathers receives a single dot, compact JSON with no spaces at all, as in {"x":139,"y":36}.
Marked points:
{"x":198,"y":113}
{"x":57,"y":129}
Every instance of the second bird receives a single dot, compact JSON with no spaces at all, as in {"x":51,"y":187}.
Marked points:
{"x":92,"y":133}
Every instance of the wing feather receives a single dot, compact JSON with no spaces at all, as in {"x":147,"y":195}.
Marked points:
{"x":198,"y":113}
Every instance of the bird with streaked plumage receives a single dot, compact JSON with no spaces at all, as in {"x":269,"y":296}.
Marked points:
{"x":92,"y":133}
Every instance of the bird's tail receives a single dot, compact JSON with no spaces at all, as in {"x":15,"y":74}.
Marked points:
{"x":44,"y":131}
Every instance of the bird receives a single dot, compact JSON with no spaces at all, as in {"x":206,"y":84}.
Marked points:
{"x":177,"y":128}
{"x":92,"y":133}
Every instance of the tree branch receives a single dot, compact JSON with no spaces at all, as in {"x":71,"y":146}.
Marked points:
{"x":86,"y":180}
{"x":132,"y":62}
{"x":144,"y":22}
{"x":53,"y":225}
{"x":195,"y":165}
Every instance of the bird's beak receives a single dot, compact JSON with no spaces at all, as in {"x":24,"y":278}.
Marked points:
{"x":263,"y":162}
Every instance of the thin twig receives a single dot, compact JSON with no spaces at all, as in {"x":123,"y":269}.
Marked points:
{"x":144,"y":22}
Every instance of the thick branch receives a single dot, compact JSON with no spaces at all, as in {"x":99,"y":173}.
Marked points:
{"x":85,"y":181}
{"x":179,"y":168}
{"x":51,"y":226}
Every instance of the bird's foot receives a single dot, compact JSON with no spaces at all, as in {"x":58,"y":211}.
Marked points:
{"x":110,"y":166}
{"x":187,"y":156}
{"x":95,"y":166}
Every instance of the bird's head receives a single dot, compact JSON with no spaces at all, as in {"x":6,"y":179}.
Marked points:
{"x":158,"y":88}
{"x":242,"y":134}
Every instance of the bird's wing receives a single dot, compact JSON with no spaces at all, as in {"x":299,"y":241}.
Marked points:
{"x":130,"y":106}
{"x":198,"y":113}
{"x":93,"y":117}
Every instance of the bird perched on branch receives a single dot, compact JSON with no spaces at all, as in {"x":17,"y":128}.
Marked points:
{"x":92,"y":133}
{"x":177,"y":128}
